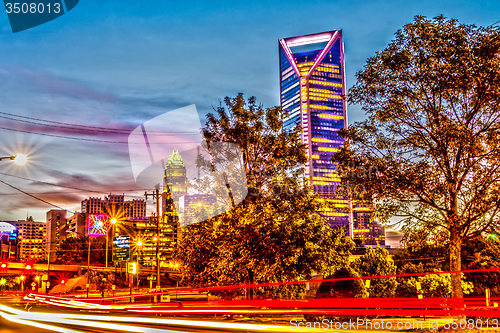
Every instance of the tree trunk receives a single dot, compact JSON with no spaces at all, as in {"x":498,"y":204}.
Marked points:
{"x":250,"y":278}
{"x":456,"y":264}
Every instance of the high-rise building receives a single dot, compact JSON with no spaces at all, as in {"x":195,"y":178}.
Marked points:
{"x":312,"y":86}
{"x":196,"y":207}
{"x":174,"y":181}
{"x":168,"y":231}
{"x":56,"y":231}
{"x":8,"y":240}
{"x":115,"y":205}
{"x":365,"y":227}
{"x":32,"y":240}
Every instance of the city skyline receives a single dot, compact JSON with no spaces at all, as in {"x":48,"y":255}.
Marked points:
{"x":116,"y":65}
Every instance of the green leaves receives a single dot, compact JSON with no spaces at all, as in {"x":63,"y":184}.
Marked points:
{"x":432,"y":131}
{"x":377,"y":262}
{"x":275,"y":234}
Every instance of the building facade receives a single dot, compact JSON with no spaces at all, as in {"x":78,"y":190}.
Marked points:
{"x":8,"y":240}
{"x":196,"y":207}
{"x":115,"y":205}
{"x":174,"y":182}
{"x":32,"y":240}
{"x":312,"y":91}
{"x":312,"y":86}
{"x":365,"y":227}
{"x":56,"y":231}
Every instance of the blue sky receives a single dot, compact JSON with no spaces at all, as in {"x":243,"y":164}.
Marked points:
{"x":119,"y":63}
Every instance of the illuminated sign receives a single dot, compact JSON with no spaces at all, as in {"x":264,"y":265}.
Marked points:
{"x":121,"y":248}
{"x":97,"y":225}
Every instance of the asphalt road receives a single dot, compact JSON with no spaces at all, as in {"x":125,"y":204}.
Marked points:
{"x":9,"y":327}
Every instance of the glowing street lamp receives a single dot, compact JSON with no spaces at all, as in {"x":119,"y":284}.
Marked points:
{"x":139,"y":244}
{"x":113,"y":221}
{"x":19,"y":159}
{"x":22,"y":277}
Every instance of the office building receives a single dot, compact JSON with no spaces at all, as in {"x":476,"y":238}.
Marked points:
{"x":312,"y":86}
{"x":32,"y":240}
{"x":56,"y":231}
{"x":196,"y":207}
{"x":115,"y":206}
{"x":175,"y":181}
{"x":366,"y":227}
{"x":8,"y":240}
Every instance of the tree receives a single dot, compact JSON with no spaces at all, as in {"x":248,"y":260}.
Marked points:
{"x":274,"y":234}
{"x":484,"y":253}
{"x":74,"y":250}
{"x":354,"y":288}
{"x":377,"y":262}
{"x":432,"y":131}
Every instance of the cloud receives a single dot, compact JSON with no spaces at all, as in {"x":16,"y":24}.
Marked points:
{"x":49,"y":83}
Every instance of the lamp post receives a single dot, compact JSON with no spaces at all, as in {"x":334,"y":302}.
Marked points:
{"x":88,"y":259}
{"x":113,"y":222}
{"x":137,"y":251}
{"x":22,"y":277}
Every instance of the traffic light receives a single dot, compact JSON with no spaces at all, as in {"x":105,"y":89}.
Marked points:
{"x":28,"y":268}
{"x":4,"y":266}
{"x":132,"y":268}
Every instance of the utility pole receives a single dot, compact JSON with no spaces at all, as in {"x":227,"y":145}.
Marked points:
{"x":156,"y":196}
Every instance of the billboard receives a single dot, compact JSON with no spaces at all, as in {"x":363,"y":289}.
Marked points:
{"x":97,"y":225}
{"x":121,"y":248}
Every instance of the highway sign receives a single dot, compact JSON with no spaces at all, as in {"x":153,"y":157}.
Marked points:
{"x":121,"y":248}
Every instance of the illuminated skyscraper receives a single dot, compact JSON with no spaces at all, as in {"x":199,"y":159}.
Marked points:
{"x":312,"y":86}
{"x":174,"y":180}
{"x":312,"y":83}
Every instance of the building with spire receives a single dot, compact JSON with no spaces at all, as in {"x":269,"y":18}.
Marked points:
{"x":175,"y":181}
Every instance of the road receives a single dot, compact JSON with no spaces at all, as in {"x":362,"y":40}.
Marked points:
{"x":9,"y":327}
{"x":48,"y":319}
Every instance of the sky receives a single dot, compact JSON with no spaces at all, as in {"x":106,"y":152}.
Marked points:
{"x":119,"y":63}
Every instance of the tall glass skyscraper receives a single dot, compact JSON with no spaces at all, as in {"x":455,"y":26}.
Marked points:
{"x":312,"y":82}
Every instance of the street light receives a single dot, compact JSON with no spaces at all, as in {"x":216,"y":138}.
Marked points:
{"x":139,"y":244}
{"x":19,"y":159}
{"x":22,"y":277}
{"x":113,"y":221}
{"x":88,"y":259}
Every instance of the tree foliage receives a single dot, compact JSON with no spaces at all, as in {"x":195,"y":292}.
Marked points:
{"x":275,"y":234}
{"x":432,"y":131}
{"x":377,"y":262}
{"x":74,"y":250}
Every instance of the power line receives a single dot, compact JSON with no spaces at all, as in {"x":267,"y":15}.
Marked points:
{"x":79,"y":126}
{"x":35,"y":197}
{"x":92,"y":140}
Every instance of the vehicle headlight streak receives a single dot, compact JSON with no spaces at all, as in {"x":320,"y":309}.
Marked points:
{"x":33,"y":319}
